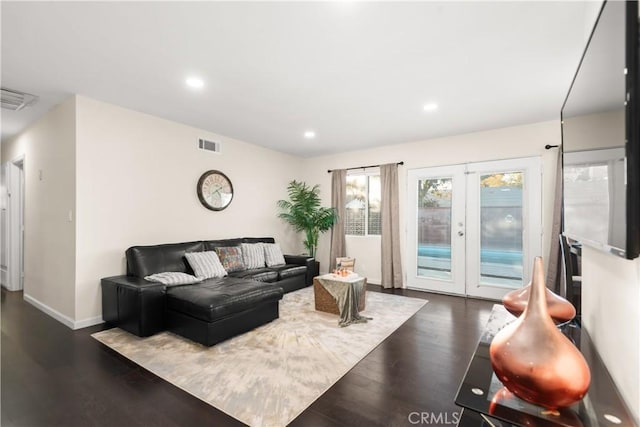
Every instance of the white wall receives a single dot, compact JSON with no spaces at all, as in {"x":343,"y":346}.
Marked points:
{"x":610,"y":298}
{"x":136,"y":185}
{"x":512,"y":142}
{"x":49,"y":146}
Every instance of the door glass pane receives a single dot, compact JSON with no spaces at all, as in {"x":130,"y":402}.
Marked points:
{"x":501,"y":229}
{"x":434,"y":228}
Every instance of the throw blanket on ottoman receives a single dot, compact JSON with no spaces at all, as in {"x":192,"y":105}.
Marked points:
{"x":347,"y":292}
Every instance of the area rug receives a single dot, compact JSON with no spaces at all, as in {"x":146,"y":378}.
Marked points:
{"x":268,"y":376}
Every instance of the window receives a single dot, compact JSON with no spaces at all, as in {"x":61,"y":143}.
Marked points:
{"x":363,"y":205}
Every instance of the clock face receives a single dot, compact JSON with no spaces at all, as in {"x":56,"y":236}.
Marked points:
{"x":215,"y":190}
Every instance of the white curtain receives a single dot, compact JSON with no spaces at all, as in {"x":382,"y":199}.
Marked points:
{"x":338,"y":201}
{"x":554,"y":262}
{"x":390,"y":222}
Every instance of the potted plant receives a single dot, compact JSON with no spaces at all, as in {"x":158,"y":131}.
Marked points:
{"x":304,"y":213}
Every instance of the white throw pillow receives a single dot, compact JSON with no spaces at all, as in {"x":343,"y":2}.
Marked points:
{"x":205,"y":264}
{"x":173,"y":278}
{"x":273,"y":254}
{"x":253,"y":255}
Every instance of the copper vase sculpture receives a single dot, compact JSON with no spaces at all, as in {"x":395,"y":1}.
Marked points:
{"x":559,"y":308}
{"x":534,"y":360}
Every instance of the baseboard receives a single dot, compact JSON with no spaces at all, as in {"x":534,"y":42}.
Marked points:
{"x":79,"y":324}
{"x":65,"y":320}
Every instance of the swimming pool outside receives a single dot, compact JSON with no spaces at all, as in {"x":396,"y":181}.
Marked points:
{"x":500,"y":267}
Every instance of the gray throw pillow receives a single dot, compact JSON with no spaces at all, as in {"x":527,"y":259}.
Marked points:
{"x":253,"y":255}
{"x":205,"y":264}
{"x":273,"y":254}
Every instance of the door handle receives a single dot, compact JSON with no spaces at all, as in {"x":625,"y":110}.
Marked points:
{"x":460,"y":233}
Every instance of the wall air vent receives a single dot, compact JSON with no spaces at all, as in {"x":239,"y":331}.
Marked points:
{"x":204,"y":144}
{"x":16,"y":100}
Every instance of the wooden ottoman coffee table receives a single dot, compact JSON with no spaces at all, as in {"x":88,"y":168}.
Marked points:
{"x":324,"y":301}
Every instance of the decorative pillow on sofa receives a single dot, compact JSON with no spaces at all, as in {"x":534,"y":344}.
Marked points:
{"x":231,"y":258}
{"x":253,"y":255}
{"x":273,"y":254}
{"x":173,"y":278}
{"x":205,"y":264}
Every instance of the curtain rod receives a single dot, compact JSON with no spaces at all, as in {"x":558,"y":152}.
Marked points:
{"x":547,"y":147}
{"x":363,"y":167}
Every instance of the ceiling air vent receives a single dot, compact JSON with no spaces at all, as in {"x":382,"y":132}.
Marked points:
{"x":16,"y":100}
{"x":204,"y":144}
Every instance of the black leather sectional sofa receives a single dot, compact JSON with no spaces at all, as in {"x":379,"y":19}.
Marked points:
{"x":206,"y":312}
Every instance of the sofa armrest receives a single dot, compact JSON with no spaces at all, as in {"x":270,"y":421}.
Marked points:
{"x":133,"y":304}
{"x":308,"y":262}
{"x":132,"y":282}
{"x":299,"y":260}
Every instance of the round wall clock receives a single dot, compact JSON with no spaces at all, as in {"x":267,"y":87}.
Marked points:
{"x":215,"y":190}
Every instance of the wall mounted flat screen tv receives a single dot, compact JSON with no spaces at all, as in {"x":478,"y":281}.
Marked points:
{"x":601,"y":137}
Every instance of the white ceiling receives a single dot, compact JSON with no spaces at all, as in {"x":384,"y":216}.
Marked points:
{"x":356,"y":73}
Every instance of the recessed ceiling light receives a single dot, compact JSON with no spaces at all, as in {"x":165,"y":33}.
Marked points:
{"x":432,"y":106}
{"x":195,"y":82}
{"x":309,"y":134}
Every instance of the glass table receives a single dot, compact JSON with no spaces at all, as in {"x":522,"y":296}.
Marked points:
{"x":487,"y":403}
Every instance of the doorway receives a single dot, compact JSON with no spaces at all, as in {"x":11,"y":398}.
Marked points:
{"x":12,"y":225}
{"x":473,"y":228}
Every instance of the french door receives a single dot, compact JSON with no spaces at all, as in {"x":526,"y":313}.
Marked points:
{"x":473,"y":229}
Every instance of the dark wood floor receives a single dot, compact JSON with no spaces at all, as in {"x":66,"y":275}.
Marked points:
{"x":53,"y":376}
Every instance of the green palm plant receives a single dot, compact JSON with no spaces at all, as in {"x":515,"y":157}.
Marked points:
{"x":304,"y":213}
